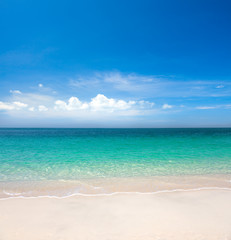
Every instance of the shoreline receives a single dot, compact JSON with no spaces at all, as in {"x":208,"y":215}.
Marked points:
{"x":118,"y":193}
{"x":112,"y":186}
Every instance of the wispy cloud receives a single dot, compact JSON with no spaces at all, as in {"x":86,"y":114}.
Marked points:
{"x":150,"y":86}
{"x":42,"y":108}
{"x":12,"y":106}
{"x":220,"y":86}
{"x":206,"y":107}
{"x":129,"y":82}
{"x":115,"y":96}
{"x":167,"y":106}
{"x":33,"y":99}
{"x":223,"y":106}
{"x":15,"y":92}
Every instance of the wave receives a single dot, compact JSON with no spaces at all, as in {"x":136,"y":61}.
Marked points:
{"x":17,"y":195}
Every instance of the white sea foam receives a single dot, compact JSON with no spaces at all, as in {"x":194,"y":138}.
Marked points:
{"x":11,"y":194}
{"x":97,"y":187}
{"x":116,"y":193}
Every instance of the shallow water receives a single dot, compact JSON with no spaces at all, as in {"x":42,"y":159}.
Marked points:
{"x":49,"y":154}
{"x":41,"y":155}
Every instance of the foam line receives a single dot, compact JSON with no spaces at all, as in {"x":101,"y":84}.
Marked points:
{"x":117,"y":193}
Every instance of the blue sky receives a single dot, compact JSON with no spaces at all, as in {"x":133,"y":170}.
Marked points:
{"x":115,"y":63}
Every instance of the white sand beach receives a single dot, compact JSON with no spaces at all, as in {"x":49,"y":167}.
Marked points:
{"x":182,"y":215}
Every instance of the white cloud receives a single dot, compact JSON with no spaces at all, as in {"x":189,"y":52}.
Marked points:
{"x":73,"y":104}
{"x":20,"y":104}
{"x":6,"y":106}
{"x":167,"y":106}
{"x":15,"y":92}
{"x":96,"y":107}
{"x":60,"y":105}
{"x":42,"y":108}
{"x":32,"y":109}
{"x":206,"y":107}
{"x":100,"y":103}
{"x":220,"y":86}
{"x":12,"y":106}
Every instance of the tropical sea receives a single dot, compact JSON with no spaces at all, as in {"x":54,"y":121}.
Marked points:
{"x":62,"y":162}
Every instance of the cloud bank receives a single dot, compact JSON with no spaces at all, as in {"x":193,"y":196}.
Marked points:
{"x":98,"y":104}
{"x":113,"y":99}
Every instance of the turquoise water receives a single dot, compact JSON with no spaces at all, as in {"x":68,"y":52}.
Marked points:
{"x":72,"y":154}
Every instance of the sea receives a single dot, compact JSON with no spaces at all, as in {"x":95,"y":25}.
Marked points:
{"x":62,"y":161}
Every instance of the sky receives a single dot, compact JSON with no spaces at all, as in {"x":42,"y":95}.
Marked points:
{"x":96,"y":63}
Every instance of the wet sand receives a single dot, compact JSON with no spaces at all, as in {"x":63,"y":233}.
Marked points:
{"x":111,"y":185}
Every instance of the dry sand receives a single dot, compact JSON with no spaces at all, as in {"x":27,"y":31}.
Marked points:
{"x":183,"y":215}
